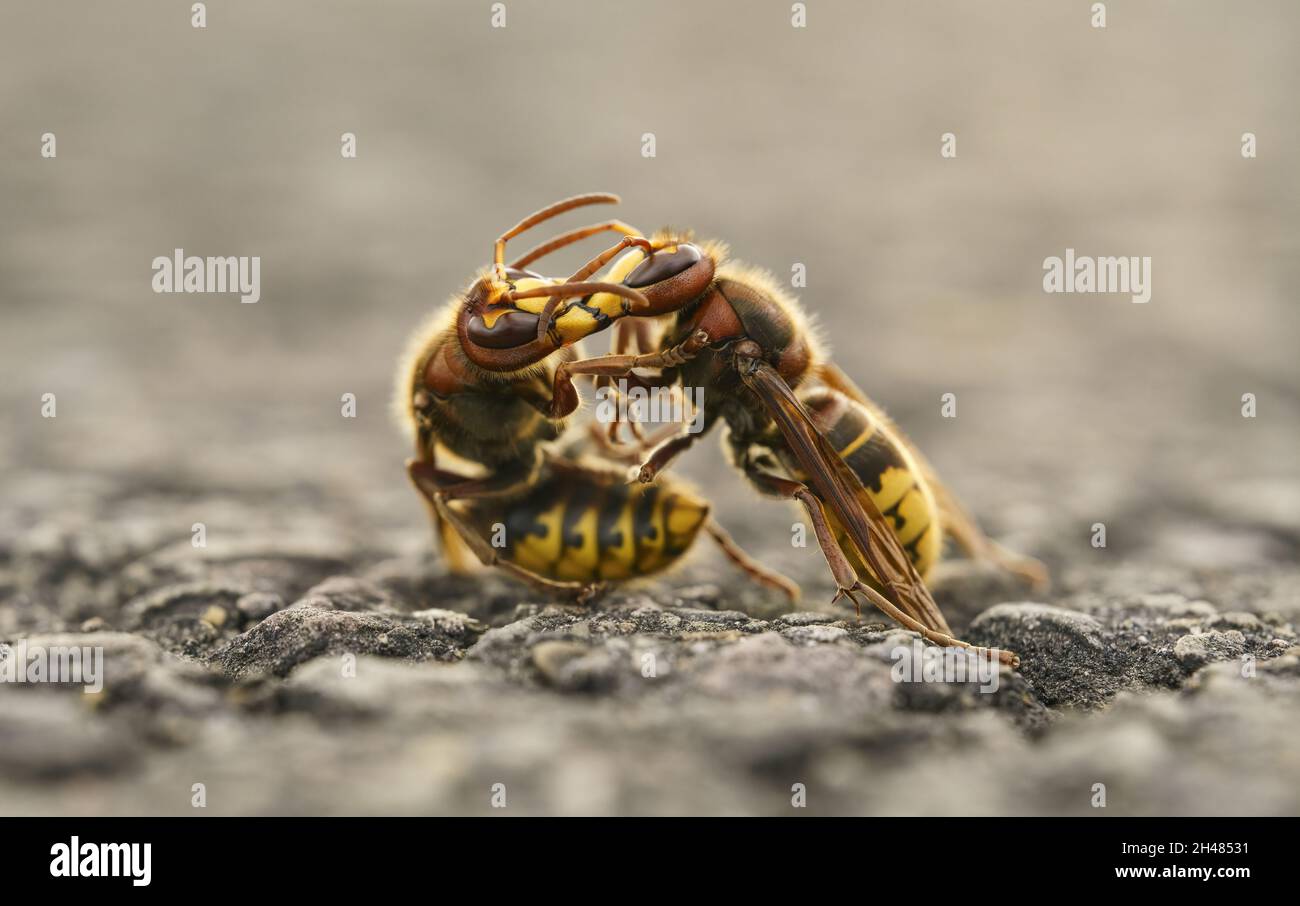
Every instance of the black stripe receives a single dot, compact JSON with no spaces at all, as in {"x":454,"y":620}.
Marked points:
{"x":580,"y":500}
{"x":893,"y":512}
{"x":602,"y":319}
{"x":615,"y":503}
{"x":522,"y":515}
{"x":643,"y":527}
{"x":873,"y":459}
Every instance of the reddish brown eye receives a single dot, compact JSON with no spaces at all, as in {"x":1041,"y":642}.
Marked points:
{"x":663,"y":265}
{"x":513,"y":328}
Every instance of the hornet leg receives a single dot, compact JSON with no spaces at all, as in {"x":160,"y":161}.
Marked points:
{"x":433,"y":484}
{"x":846,"y":580}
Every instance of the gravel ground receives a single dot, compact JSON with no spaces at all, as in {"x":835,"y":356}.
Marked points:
{"x":314,"y":657}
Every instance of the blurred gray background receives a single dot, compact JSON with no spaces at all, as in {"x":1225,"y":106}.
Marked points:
{"x":816,"y":145}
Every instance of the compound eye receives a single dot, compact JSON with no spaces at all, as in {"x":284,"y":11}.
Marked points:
{"x":662,"y":266}
{"x":510,"y":329}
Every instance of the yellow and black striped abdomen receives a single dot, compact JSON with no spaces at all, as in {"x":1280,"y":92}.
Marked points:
{"x":888,"y":474}
{"x":587,"y":524}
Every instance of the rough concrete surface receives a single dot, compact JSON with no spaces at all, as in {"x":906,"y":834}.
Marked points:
{"x":315,"y":656}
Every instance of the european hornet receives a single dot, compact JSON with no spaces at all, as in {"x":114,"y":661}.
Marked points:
{"x":475,"y":384}
{"x":796,"y":426}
